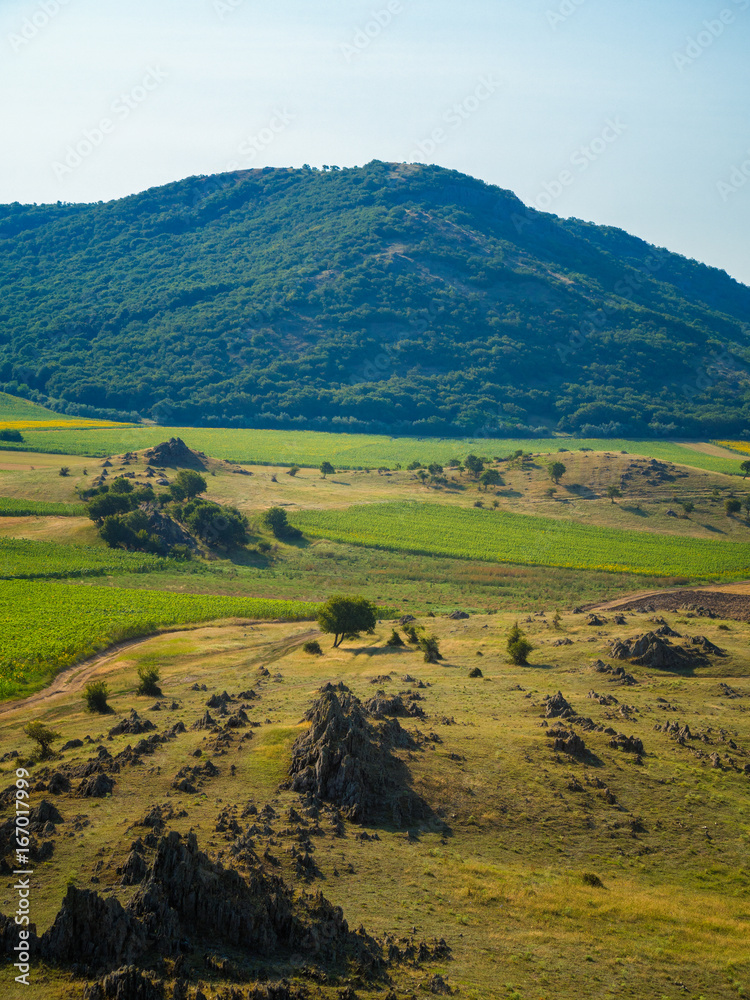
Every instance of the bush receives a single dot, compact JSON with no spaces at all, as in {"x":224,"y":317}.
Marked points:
{"x":276,"y":520}
{"x":293,"y":471}
{"x":9,"y":435}
{"x":429,"y":646}
{"x":95,"y":696}
{"x":395,"y":639}
{"x":43,"y":736}
{"x":149,"y":681}
{"x":64,"y":470}
{"x":732,"y":506}
{"x":313,"y":648}
{"x":518,"y":646}
{"x":410,"y":631}
{"x":475,"y":672}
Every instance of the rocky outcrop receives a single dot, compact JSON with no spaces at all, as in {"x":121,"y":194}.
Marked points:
{"x":134,"y":725}
{"x":557,"y":707}
{"x":174,"y":454}
{"x":93,"y":932}
{"x":653,"y":650}
{"x":346,"y":760}
{"x":128,"y":983}
{"x":383,"y":705}
{"x":566,"y":741}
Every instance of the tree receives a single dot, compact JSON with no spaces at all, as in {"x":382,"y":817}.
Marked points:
{"x":746,"y":505}
{"x":429,"y":646}
{"x":43,"y":736}
{"x":490,"y":477}
{"x":613,"y":492}
{"x":518,"y":646}
{"x":732,"y":506}
{"x":216,"y":524}
{"x":148,"y":677}
{"x":395,"y":639}
{"x":745,"y":466}
{"x":346,"y":617}
{"x":65,"y":470}
{"x":327,"y":469}
{"x":293,"y":471}
{"x":276,"y":520}
{"x":105,"y":505}
{"x":688,"y":506}
{"x":187,"y":485}
{"x":120,"y":485}
{"x":473,"y":465}
{"x":95,"y":696}
{"x":556,"y":471}
{"x":434,"y":469}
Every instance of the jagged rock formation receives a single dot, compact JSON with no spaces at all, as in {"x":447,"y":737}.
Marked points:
{"x":134,"y":725}
{"x":174,"y":454}
{"x":557,"y":707}
{"x":128,"y":983}
{"x":655,"y":650}
{"x":567,"y":741}
{"x":346,"y":760}
{"x":383,"y":705}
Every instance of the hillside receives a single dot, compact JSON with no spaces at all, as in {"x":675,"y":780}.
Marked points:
{"x":394,"y":298}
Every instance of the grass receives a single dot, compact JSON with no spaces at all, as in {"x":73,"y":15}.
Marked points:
{"x":24,"y":558}
{"x":525,"y":539}
{"x":21,"y":414}
{"x":46,"y":626}
{"x":310,"y":448}
{"x":504,"y":885}
{"x":16,"y":507}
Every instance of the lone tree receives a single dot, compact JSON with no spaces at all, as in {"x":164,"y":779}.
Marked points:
{"x":745,"y":466}
{"x":519,"y":646}
{"x":613,"y":492}
{"x":490,"y":477}
{"x":346,"y":617}
{"x":429,"y":646}
{"x":276,"y":520}
{"x":732,"y":506}
{"x":187,"y":484}
{"x":326,"y":469}
{"x":556,"y":471}
{"x":43,"y":736}
{"x":688,"y":506}
{"x":95,"y":696}
{"x":148,"y":678}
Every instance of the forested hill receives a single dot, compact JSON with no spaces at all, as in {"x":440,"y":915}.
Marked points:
{"x":402,"y":298}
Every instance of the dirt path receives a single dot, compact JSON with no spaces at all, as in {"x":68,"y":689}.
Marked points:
{"x":731,"y":600}
{"x":73,"y":679}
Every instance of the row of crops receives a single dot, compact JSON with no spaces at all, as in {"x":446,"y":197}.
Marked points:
{"x":346,"y":451}
{"x":17,"y":507}
{"x":436,"y":529}
{"x":24,"y":558}
{"x":46,"y":625}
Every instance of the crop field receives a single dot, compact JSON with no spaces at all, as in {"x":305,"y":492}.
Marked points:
{"x":16,"y":507}
{"x":20,"y":414}
{"x":741,"y":446}
{"x":523,"y":539}
{"x":23,"y":558}
{"x":46,"y":626}
{"x":346,"y":451}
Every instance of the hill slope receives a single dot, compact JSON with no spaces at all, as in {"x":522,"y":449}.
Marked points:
{"x":388,"y":297}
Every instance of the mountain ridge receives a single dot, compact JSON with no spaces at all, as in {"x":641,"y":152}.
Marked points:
{"x":387,"y":298}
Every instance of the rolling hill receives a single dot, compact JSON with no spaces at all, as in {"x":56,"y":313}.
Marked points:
{"x":390,"y":298}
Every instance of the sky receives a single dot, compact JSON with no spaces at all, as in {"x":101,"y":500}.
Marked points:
{"x":631,"y":113}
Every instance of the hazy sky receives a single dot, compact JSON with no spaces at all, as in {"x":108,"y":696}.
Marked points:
{"x":633,"y":113}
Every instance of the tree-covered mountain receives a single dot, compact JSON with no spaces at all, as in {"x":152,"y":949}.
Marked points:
{"x":408,"y":299}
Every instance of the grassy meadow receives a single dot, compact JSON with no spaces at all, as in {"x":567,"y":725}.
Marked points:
{"x":503,"y":869}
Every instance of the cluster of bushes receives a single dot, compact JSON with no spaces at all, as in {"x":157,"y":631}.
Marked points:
{"x":124,"y":521}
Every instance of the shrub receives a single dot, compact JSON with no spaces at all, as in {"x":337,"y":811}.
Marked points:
{"x":149,"y":681}
{"x":732,"y":506}
{"x":43,"y":736}
{"x":518,"y":646}
{"x":276,"y":520}
{"x":95,"y":696}
{"x":410,"y":631}
{"x":64,"y":470}
{"x":589,"y":878}
{"x":293,"y":471}
{"x":429,"y":646}
{"x":10,"y":435}
{"x":395,"y":639}
{"x":475,"y":672}
{"x":313,"y":648}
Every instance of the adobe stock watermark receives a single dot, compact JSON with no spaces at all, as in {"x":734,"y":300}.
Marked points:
{"x":32,"y":26}
{"x":711,"y":30}
{"x":121,"y":109}
{"x":23,"y":873}
{"x":223,"y":8}
{"x":564,"y":12}
{"x":455,"y":117}
{"x":738,"y":178}
{"x":364,"y":36}
{"x":582,"y":159}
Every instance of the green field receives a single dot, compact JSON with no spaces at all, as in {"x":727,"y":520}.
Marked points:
{"x":524,"y":539}
{"x":15,"y":507}
{"x":22,"y":558}
{"x":310,"y":448}
{"x":47,"y":625}
{"x":15,"y":408}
